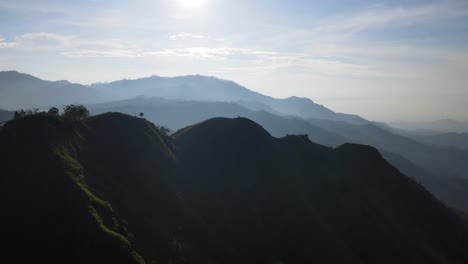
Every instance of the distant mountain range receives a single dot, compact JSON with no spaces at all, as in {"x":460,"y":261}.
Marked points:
{"x":456,"y":140}
{"x":116,"y":189}
{"x":20,"y":90}
{"x":23,"y":91}
{"x":176,"y":114}
{"x":442,"y":162}
{"x":180,"y":101}
{"x":432,"y":127}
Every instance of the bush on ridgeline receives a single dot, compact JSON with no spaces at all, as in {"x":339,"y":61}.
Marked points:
{"x":22,"y":113}
{"x":19,"y":114}
{"x":35,"y":111}
{"x":75,"y":112}
{"x":53,"y":111}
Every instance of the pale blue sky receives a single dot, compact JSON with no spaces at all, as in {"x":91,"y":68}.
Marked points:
{"x":383,"y":60}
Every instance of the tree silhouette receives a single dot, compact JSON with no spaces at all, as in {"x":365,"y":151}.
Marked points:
{"x":53,"y":111}
{"x":19,"y":114}
{"x":75,"y":112}
{"x":141,"y":114}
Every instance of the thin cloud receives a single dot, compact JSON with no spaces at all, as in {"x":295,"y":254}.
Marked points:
{"x":4,"y":44}
{"x":183,"y":35}
{"x":384,"y":16}
{"x":51,"y":41}
{"x":32,"y":7}
{"x":251,"y":60}
{"x":43,"y":40}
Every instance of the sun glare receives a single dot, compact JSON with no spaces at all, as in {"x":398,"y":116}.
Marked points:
{"x":191,"y":3}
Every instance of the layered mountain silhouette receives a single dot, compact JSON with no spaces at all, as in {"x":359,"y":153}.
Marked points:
{"x":20,"y":90}
{"x":452,"y":139}
{"x":436,"y":159}
{"x":176,"y":114}
{"x":115,"y":189}
{"x":433,"y":127}
{"x":451,"y":190}
{"x":181,"y":101}
{"x":203,"y":88}
{"x":447,"y":164}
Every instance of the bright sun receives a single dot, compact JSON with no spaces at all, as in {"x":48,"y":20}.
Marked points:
{"x":191,"y":3}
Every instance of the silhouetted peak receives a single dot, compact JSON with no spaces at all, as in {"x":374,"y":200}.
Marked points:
{"x":227,"y":126}
{"x":62,"y":82}
{"x":359,"y":151}
{"x":299,"y":99}
{"x":224,"y":134}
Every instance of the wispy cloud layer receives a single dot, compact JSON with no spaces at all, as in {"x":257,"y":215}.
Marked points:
{"x":334,"y":60}
{"x":252,"y":60}
{"x":4,"y":44}
{"x":39,"y":41}
{"x":183,"y":35}
{"x":381,"y":16}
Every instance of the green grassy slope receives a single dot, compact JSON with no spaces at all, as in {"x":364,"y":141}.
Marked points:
{"x":51,"y":214}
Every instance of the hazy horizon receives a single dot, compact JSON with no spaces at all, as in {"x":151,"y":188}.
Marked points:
{"x":382,"y":60}
{"x":394,"y":121}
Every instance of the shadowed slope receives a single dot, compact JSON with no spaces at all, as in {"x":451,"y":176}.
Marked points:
{"x":347,"y":200}
{"x":114,"y":189}
{"x":53,"y":216}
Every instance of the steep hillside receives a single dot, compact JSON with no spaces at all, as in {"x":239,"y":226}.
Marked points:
{"x":52,"y":214}
{"x":114,"y":189}
{"x":347,"y":197}
{"x":451,"y":190}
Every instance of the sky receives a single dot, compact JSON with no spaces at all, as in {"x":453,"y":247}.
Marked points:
{"x":384,"y":60}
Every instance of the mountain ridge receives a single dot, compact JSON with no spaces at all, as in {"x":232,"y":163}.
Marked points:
{"x":222,"y":191}
{"x":435,"y":160}
{"x":16,"y":87}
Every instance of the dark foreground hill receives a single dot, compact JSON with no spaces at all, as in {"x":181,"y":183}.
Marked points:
{"x":114,"y":189}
